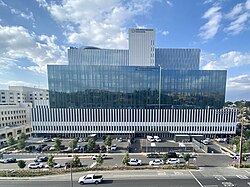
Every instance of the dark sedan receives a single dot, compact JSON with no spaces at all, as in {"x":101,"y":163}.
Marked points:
{"x":8,"y":160}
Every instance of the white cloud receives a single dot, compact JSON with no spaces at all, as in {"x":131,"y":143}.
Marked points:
{"x":238,"y":88}
{"x":2,"y":3}
{"x":97,"y":22}
{"x":208,"y":1}
{"x":238,"y":25}
{"x":224,"y":61}
{"x":165,"y":33}
{"x":214,"y":17}
{"x":22,"y":14}
{"x":235,"y":11}
{"x":169,"y":3}
{"x":238,"y":17}
{"x":247,"y":4}
{"x":17,"y":42}
{"x":240,"y":82}
{"x":5,"y":83}
{"x":42,"y":3}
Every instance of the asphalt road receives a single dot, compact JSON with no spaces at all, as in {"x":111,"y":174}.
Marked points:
{"x":205,"y":177}
{"x":113,"y":183}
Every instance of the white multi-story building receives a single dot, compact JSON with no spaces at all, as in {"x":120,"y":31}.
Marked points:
{"x":14,"y":119}
{"x":31,"y":95}
{"x":141,"y":47}
{"x":68,"y":122}
{"x":22,"y":94}
{"x":15,"y":110}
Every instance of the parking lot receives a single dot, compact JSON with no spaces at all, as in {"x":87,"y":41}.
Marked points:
{"x":114,"y":158}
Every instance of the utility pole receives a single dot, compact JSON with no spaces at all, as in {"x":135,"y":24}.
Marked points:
{"x":243,"y":117}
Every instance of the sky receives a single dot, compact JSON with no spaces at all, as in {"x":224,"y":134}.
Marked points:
{"x":35,"y":33}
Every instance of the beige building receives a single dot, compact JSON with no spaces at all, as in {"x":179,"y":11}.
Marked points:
{"x":14,"y":119}
{"x":15,"y":110}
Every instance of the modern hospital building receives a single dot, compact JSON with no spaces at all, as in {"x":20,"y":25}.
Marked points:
{"x":137,"y":91}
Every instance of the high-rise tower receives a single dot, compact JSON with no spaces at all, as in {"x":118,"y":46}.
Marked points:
{"x":141,"y":47}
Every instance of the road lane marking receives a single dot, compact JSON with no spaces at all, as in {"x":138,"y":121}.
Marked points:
{"x":161,"y":173}
{"x":248,"y":183}
{"x":220,"y":178}
{"x":196,"y":179}
{"x":242,"y":176}
{"x":227,"y":184}
{"x":178,"y":173}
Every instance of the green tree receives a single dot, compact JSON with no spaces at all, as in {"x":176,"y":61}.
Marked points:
{"x":50,"y":161}
{"x":104,"y":137}
{"x":165,"y":157}
{"x":22,"y":136}
{"x":73,"y":144}
{"x":76,"y":161}
{"x":91,"y":145}
{"x":108,"y":141}
{"x":21,"y":164}
{"x":57,"y":143}
{"x":235,"y":140}
{"x":21,"y":144}
{"x":186,"y":157}
{"x":99,"y":159}
{"x":247,"y":133}
{"x":11,"y":141}
{"x":125,"y":159}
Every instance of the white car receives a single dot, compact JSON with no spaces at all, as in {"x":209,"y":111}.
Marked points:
{"x":95,"y":156}
{"x":234,"y":156}
{"x":134,"y":162}
{"x":35,"y":165}
{"x":156,"y":162}
{"x":173,"y":161}
{"x":113,"y":147}
{"x":157,"y":138}
{"x":56,"y":165}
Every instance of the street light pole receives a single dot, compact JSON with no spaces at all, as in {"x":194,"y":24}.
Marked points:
{"x":241,"y":137}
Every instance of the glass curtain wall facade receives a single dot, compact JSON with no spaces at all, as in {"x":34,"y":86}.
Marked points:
{"x":137,"y":87}
{"x":178,"y":59}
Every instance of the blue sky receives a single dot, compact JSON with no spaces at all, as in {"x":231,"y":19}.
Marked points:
{"x":38,"y":32}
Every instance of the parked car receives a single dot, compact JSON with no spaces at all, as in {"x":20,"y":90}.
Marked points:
{"x":172,"y":155}
{"x":35,"y":165}
{"x":40,"y":147}
{"x":220,"y":139}
{"x":173,"y":161}
{"x":234,"y":156}
{"x":113,"y":147}
{"x":153,"y":155}
{"x":157,"y":138}
{"x":41,"y":159}
{"x":8,"y":160}
{"x":156,"y":162}
{"x":79,"y":149}
{"x":56,"y":165}
{"x":52,"y":148}
{"x":150,"y":138}
{"x":120,"y":140}
{"x":97,"y":155}
{"x":90,"y":179}
{"x":134,"y":162}
{"x":46,"y":148}
{"x":29,"y":148}
{"x":46,"y":140}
